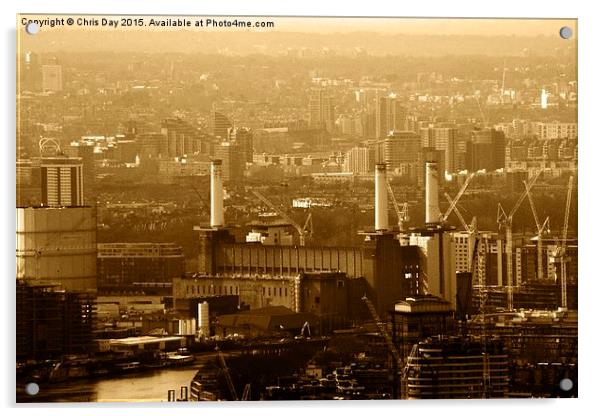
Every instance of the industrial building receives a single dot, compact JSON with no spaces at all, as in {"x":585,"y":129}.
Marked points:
{"x":131,"y":267}
{"x":57,"y":245}
{"x":52,"y":322}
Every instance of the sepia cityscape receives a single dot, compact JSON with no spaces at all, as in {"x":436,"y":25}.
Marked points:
{"x":273,"y":208}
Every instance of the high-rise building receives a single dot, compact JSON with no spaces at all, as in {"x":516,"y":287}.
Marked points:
{"x":62,"y":181}
{"x":244,"y":137}
{"x":179,"y":139}
{"x":52,"y":78}
{"x":486,"y":149}
{"x":445,"y":139}
{"x":400,"y":151}
{"x":85,"y":151}
{"x":321,"y":110}
{"x":390,"y":116}
{"x":232,"y":156}
{"x":359,"y":160}
{"x":219,"y":124}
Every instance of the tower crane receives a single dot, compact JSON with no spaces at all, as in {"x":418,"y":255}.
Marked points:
{"x":382,"y":328}
{"x":222,"y":363}
{"x":304,"y":231}
{"x":453,"y":203}
{"x":505,"y":220}
{"x":402,"y":213}
{"x":541,"y":229}
{"x":559,"y":254}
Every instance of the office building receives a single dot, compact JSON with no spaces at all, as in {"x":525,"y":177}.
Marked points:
{"x":390,"y":116}
{"x":62,"y":181}
{"x":219,"y":124}
{"x":359,"y":160}
{"x":244,"y":138}
{"x":446,"y":140}
{"x":232,"y":155}
{"x":321,"y":110}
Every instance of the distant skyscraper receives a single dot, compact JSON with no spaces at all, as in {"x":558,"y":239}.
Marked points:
{"x":219,"y":124}
{"x":179,"y":138}
{"x":390,"y":116}
{"x":62,"y":181}
{"x":244,"y":137}
{"x":486,"y":149}
{"x":359,"y":160}
{"x":233,"y":160}
{"x":401,"y":152}
{"x":321,"y":110}
{"x":52,"y":78}
{"x":445,"y":139}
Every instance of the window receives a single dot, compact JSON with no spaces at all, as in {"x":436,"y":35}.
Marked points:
{"x":269,"y":291}
{"x":263,"y":291}
{"x":280,"y":294}
{"x":317,"y":300}
{"x":230,"y":289}
{"x":285,"y":291}
{"x":340,"y":283}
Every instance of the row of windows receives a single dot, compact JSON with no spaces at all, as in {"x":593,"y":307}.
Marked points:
{"x":232,"y":290}
{"x":276,"y":291}
{"x":211,"y":290}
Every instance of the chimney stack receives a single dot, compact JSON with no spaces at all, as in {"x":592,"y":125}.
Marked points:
{"x":217,"y":195}
{"x":381,"y":207}
{"x":431,"y":186}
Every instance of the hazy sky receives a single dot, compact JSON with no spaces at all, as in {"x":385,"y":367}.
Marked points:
{"x":431,"y":26}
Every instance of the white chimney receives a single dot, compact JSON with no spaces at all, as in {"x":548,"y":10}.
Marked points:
{"x":217,"y":195}
{"x":431,"y":186}
{"x":381,"y":207}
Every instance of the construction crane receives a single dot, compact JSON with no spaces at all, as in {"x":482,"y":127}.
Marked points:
{"x":470,"y":229}
{"x":559,"y":255}
{"x":382,"y":328}
{"x":505,"y":220}
{"x":541,"y":229}
{"x":402,"y":213}
{"x":304,"y":231}
{"x":246,"y":393}
{"x":453,"y":203}
{"x":222,"y":363}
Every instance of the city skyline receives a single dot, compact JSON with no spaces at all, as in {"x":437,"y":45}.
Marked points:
{"x":332,"y":214}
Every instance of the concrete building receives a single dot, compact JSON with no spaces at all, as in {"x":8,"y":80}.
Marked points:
{"x":127,"y":267}
{"x":486,"y":149}
{"x":321,"y":110}
{"x":400,"y":151}
{"x":62,"y":181}
{"x":244,"y":138}
{"x":232,"y":155}
{"x":390,"y":116}
{"x":179,"y":138}
{"x":57,"y":245}
{"x":219,"y":124}
{"x":446,"y":140}
{"x":554,"y":130}
{"x":359,"y":160}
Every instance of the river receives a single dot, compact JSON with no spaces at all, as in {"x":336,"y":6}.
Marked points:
{"x":148,"y":386}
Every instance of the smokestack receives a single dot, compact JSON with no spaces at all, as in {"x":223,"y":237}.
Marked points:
{"x":381,"y":207}
{"x":217,"y":195}
{"x":431,"y":186}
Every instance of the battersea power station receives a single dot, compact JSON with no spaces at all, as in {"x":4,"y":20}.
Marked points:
{"x":323,"y":280}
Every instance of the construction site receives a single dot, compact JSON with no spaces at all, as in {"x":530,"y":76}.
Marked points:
{"x":503,"y":326}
